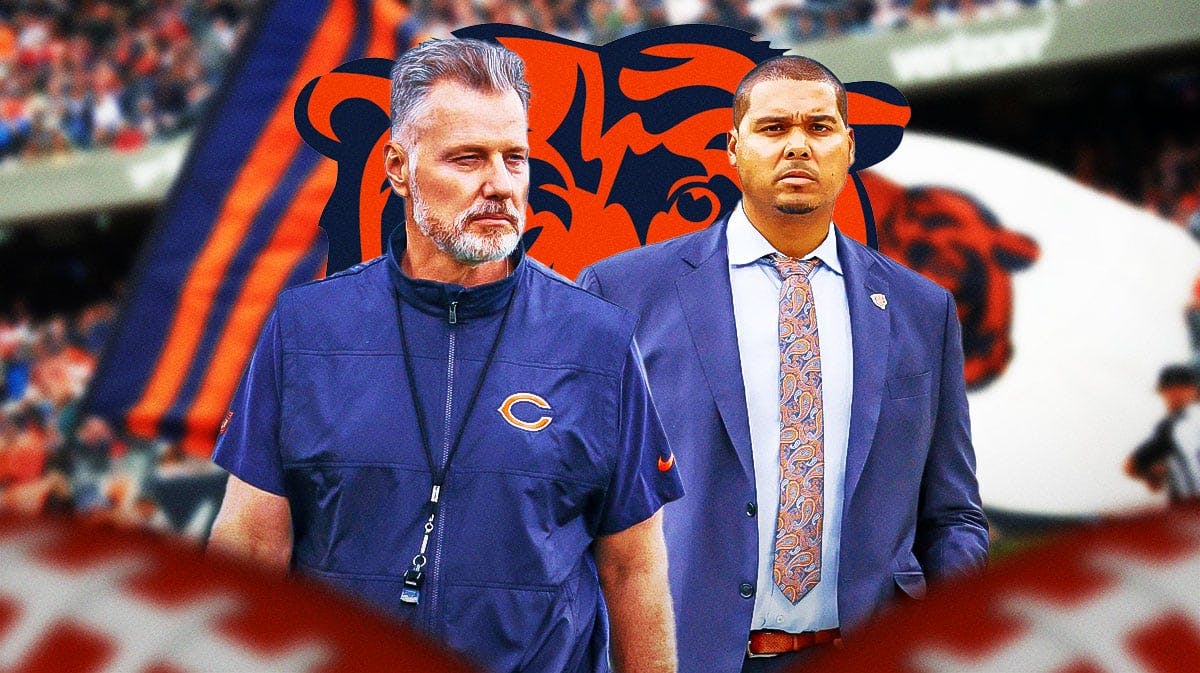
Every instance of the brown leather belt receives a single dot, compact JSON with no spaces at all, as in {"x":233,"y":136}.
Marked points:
{"x":769,"y":642}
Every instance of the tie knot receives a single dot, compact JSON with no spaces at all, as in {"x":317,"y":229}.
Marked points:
{"x":790,"y":266}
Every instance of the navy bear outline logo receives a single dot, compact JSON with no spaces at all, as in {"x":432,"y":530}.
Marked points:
{"x":627,"y":141}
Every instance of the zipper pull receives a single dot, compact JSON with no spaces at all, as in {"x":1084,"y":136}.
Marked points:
{"x":454,"y":313}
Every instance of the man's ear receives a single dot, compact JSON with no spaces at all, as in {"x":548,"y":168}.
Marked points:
{"x":851,"y":130}
{"x":731,"y":146}
{"x":395,"y":165}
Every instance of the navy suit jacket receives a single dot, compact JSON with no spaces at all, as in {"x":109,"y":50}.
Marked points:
{"x":911,"y":507}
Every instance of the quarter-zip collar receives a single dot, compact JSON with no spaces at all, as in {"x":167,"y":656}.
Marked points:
{"x":451,"y":302}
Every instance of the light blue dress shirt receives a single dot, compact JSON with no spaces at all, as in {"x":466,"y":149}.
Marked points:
{"x":756,"y":286}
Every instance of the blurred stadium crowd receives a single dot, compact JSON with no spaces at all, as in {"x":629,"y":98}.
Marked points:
{"x":1156,"y":165}
{"x":99,"y":74}
{"x":78,"y":75}
{"x":52,"y":460}
{"x":779,"y":21}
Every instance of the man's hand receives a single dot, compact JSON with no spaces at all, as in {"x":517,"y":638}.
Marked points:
{"x":255,"y":525}
{"x":1154,"y":476}
{"x":633,"y":574}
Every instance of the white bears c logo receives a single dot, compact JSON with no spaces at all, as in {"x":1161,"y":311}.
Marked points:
{"x":531,"y":426}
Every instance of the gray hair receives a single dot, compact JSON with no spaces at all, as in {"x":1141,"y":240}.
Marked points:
{"x":482,"y":66}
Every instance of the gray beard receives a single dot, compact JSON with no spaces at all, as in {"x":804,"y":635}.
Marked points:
{"x":466,"y":247}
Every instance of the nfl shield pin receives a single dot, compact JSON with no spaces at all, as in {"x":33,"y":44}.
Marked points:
{"x":879,"y":300}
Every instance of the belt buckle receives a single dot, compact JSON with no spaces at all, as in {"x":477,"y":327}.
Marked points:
{"x":753,"y":655}
{"x":758,"y":655}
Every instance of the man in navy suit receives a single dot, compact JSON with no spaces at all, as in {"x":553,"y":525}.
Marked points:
{"x":812,"y":390}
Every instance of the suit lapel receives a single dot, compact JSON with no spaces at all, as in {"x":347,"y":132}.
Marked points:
{"x":707,"y":302}
{"x":870,"y":334}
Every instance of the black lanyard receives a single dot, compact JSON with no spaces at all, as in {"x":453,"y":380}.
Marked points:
{"x":415,"y":577}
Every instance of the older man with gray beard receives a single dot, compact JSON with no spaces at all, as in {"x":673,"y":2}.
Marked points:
{"x":452,"y":431}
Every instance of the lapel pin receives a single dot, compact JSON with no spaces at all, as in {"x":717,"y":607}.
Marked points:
{"x":879,"y":300}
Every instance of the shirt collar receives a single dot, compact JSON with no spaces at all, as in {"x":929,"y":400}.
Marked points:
{"x":435,"y":298}
{"x":747,"y":245}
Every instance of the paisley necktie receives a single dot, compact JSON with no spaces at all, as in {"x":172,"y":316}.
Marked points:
{"x":797,"y":558}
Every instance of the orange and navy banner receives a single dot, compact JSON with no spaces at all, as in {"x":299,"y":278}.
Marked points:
{"x":240,"y":224}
